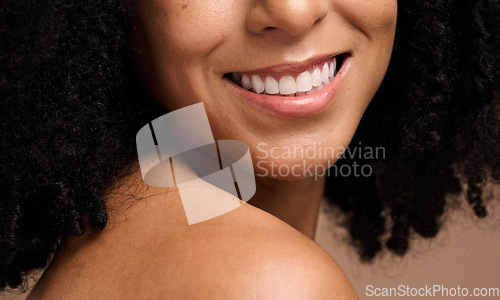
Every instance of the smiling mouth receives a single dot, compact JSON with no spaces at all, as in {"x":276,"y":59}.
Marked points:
{"x":310,"y":81}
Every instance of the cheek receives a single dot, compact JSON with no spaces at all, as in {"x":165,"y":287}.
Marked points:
{"x":372,"y":17}
{"x":184,"y":29}
{"x":175,"y":40}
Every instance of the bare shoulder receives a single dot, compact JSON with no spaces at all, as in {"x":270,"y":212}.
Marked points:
{"x":244,"y":254}
{"x":249,"y":254}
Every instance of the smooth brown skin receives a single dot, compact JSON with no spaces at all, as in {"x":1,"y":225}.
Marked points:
{"x":185,"y":48}
{"x":149,"y":252}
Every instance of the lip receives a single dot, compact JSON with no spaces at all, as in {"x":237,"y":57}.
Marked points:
{"x":290,"y":68}
{"x":296,"y":106}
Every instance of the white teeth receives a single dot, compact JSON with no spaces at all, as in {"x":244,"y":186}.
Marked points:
{"x":246,"y":83}
{"x":271,"y":85}
{"x":257,"y":84}
{"x":316,"y":77}
{"x":315,"y":89}
{"x":288,"y":85}
{"x":324,"y":73}
{"x":304,"y":83}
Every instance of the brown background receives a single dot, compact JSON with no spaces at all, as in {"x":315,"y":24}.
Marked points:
{"x":465,"y":253}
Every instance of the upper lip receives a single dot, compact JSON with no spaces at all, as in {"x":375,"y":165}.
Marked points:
{"x":289,"y":68}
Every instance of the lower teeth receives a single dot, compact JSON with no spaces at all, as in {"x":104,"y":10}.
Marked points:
{"x":312,"y":91}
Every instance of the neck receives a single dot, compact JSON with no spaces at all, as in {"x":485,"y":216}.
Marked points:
{"x":294,"y":202}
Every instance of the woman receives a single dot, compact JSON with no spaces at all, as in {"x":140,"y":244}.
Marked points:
{"x":80,"y":79}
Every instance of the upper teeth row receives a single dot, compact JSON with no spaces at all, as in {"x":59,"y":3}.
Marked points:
{"x":304,"y":83}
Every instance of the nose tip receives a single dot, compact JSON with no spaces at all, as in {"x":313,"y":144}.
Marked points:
{"x":295,"y":17}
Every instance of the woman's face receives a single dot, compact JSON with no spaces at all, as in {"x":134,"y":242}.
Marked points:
{"x":259,"y":68}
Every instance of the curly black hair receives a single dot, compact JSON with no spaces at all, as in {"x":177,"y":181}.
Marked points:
{"x":71,"y":105}
{"x":435,"y":116}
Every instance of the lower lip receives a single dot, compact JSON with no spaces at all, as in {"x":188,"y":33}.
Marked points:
{"x":296,"y":106}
